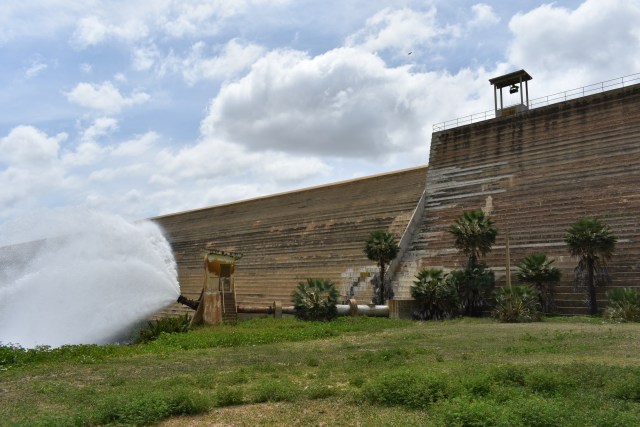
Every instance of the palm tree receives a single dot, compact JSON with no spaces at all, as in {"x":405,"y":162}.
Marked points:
{"x":381,"y":247}
{"x":594,"y":243}
{"x":537,"y":270}
{"x":474,"y":235}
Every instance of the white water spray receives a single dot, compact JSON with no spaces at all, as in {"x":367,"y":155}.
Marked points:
{"x":91,"y":283}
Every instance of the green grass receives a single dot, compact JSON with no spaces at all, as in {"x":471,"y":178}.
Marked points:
{"x":366,"y":371}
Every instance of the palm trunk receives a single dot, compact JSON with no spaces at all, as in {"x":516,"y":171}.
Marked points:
{"x":593,"y":302}
{"x":381,"y":283}
{"x":473,"y":260}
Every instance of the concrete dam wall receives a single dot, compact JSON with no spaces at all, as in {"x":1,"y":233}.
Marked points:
{"x":537,"y":172}
{"x":286,"y":238}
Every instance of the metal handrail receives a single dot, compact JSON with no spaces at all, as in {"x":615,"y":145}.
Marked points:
{"x":543,"y":101}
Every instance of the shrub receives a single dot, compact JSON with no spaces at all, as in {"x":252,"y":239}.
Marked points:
{"x":169,"y":325}
{"x":624,"y":305}
{"x":517,"y":304}
{"x":437,"y":297}
{"x":315,"y":300}
{"x":475,"y":289}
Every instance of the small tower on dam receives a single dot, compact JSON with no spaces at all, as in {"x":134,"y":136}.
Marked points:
{"x":517,"y":83}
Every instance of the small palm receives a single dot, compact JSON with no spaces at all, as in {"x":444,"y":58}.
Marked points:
{"x":474,"y":235}
{"x":381,"y":246}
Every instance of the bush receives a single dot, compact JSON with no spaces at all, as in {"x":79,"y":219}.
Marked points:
{"x":624,"y":305}
{"x":475,"y":289}
{"x":168,"y":325}
{"x":437,"y":296}
{"x":515,"y":305}
{"x":315,"y":300}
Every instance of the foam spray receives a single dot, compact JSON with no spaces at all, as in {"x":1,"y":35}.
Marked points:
{"x":81,"y":278}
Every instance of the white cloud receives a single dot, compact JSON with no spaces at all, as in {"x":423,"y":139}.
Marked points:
{"x":104,"y":97}
{"x":95,"y":21}
{"x":205,"y":17}
{"x":86,"y":68}
{"x":36,"y":68}
{"x":144,"y":57}
{"x":567,"y":48}
{"x":136,"y":146}
{"x":29,"y":168}
{"x":234,"y":57}
{"x":483,"y":15}
{"x":100,"y":127}
{"x":112,"y":174}
{"x":28,"y":146}
{"x":90,"y":31}
{"x":344,"y":103}
{"x":402,"y":30}
{"x":86,"y":153}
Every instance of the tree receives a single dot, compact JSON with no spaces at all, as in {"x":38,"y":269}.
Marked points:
{"x":315,"y":300}
{"x":536,"y":269}
{"x":594,"y":243}
{"x":381,"y":247}
{"x":474,"y":235}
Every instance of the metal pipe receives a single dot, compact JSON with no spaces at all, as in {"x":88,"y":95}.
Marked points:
{"x":192,"y":304}
{"x":343,"y":310}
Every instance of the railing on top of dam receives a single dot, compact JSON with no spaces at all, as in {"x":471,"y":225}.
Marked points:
{"x":616,"y":83}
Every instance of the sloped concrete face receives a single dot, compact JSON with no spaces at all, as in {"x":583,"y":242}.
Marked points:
{"x":537,"y":172}
{"x":287,"y":238}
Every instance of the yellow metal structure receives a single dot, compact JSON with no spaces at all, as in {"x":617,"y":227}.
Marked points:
{"x":217,"y":302}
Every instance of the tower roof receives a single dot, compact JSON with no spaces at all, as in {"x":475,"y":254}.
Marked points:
{"x":510,"y":79}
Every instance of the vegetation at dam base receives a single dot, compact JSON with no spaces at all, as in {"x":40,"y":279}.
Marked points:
{"x":364,"y":371}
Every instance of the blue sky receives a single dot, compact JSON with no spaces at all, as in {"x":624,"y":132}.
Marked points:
{"x":147,"y":108}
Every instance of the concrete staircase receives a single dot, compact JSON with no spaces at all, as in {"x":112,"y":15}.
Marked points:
{"x":229,"y":307}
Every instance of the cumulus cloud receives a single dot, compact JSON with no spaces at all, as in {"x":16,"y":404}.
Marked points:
{"x":28,"y":167}
{"x":104,"y":97}
{"x":28,"y":146}
{"x":136,"y":146}
{"x":570,"y":48}
{"x":483,"y":15}
{"x":233,"y":58}
{"x":402,"y":30}
{"x":344,"y":103}
{"x":101,"y":126}
{"x":144,"y":57}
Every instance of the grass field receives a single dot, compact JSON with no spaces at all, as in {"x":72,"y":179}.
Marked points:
{"x":353,"y":371}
